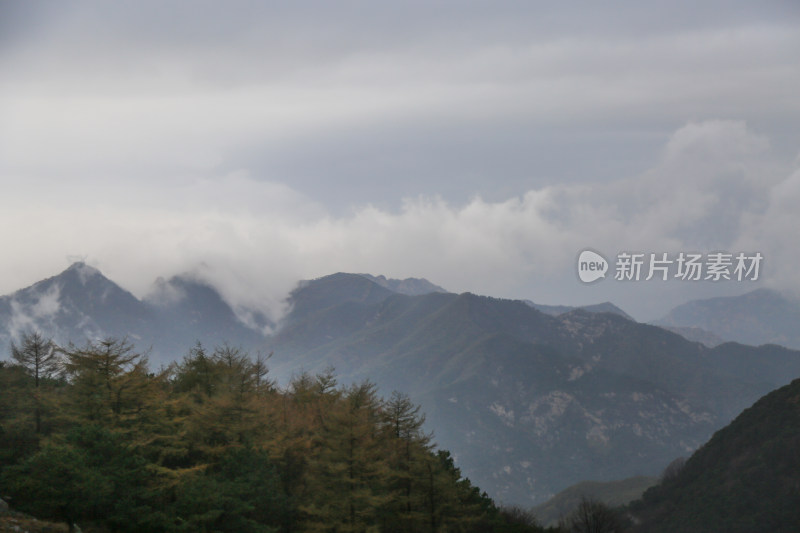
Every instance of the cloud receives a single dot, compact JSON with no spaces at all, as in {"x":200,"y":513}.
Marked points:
{"x":29,"y":316}
{"x":773,"y":232}
{"x":332,"y":98}
{"x":479,"y":146}
{"x":713,"y":187}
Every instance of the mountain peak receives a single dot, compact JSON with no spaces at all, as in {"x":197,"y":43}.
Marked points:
{"x":408,"y":286}
{"x":77,"y":304}
{"x":83,"y":271}
{"x":604,"y":307}
{"x":185,"y":290}
{"x":335,"y":289}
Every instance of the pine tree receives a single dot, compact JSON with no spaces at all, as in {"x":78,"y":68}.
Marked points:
{"x":240,"y":493}
{"x":349,"y":469}
{"x":408,"y":448}
{"x":228,"y":392}
{"x":453,"y":503}
{"x":211,"y":444}
{"x":17,"y":436}
{"x":39,"y":357}
{"x":109,"y":381}
{"x":88,"y":474}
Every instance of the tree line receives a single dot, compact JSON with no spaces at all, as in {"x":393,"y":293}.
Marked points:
{"x":91,"y":435}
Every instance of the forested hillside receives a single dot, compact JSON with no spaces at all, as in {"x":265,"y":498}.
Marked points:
{"x":744,"y":480}
{"x":91,"y":435}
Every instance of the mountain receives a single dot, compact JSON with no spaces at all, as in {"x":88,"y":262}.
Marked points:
{"x":696,"y":335}
{"x":528,"y":402}
{"x":340,"y":288}
{"x":81,"y":303}
{"x":409,"y":286}
{"x":745,"y":479}
{"x":188,"y":311}
{"x":555,"y":310}
{"x":758,"y":317}
{"x":612,"y":493}
{"x":76,"y":304}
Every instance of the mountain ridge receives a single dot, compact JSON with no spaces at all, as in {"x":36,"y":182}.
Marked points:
{"x":81,"y":303}
{"x":504,"y":384}
{"x":603,"y":307}
{"x":618,"y":397}
{"x":761,"y":316}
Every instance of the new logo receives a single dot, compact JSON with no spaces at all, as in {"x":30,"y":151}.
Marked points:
{"x":591,"y":266}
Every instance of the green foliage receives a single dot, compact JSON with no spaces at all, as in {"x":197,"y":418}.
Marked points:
{"x":28,"y":391}
{"x":17,"y":432}
{"x":212,"y":445}
{"x":241,"y":494}
{"x":38,"y":355}
{"x":91,"y":475}
{"x":109,"y":381}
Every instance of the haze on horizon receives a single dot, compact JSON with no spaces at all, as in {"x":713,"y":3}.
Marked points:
{"x":479,"y":145}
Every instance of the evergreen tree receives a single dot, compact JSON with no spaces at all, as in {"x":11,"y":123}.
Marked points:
{"x":349,"y":468}
{"x":109,"y":381}
{"x":92,"y":475}
{"x":453,"y":503}
{"x":240,"y":494}
{"x":17,"y":436}
{"x":196,"y":374}
{"x":39,"y":357}
{"x":228,"y":393}
{"x":408,"y":448}
{"x":211,"y":444}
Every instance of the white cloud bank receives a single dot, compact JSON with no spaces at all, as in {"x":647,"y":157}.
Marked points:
{"x":259,"y":143}
{"x":713,"y":188}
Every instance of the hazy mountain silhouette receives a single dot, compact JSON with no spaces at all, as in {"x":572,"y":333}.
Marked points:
{"x":759,"y":317}
{"x":555,"y":310}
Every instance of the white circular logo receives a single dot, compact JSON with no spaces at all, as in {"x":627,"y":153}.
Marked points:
{"x":591,"y":266}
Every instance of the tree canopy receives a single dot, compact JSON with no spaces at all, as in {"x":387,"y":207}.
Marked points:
{"x":212,"y":444}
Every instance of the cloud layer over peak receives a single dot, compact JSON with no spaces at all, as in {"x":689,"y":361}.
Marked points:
{"x":479,"y":146}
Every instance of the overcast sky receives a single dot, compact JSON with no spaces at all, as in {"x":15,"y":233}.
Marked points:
{"x":481,"y":145}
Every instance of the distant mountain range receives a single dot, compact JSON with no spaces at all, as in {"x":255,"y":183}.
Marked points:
{"x":612,"y":493}
{"x":529,"y":402}
{"x":762,"y":316}
{"x":696,"y":334}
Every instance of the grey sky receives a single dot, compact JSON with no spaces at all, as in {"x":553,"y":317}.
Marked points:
{"x":479,"y":144}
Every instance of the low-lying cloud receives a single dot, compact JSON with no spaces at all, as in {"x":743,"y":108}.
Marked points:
{"x":714,"y":187}
{"x":29,"y":316}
